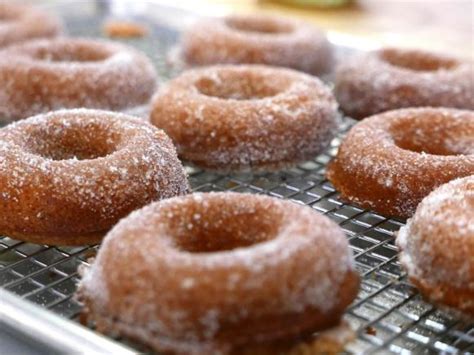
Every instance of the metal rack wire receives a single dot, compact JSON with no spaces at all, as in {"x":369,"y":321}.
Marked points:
{"x":388,"y":314}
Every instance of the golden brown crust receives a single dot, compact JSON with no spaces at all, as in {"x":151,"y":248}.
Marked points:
{"x":458,"y":299}
{"x":246,"y":117}
{"x":392,"y":78}
{"x":68,"y":176}
{"x":47,"y":75}
{"x":26,"y":22}
{"x":198,"y":285}
{"x":333,"y":340}
{"x":257,"y":39}
{"x":437,"y":246}
{"x":391,"y":161}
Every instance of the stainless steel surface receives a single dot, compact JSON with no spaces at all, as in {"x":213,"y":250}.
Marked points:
{"x":59,"y":336}
{"x":388,"y":314}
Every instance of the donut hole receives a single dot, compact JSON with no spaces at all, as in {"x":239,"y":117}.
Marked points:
{"x":70,"y":53}
{"x":427,"y":135}
{"x":59,"y":142}
{"x":258,"y":25}
{"x":222,"y":226}
{"x":237,"y":85}
{"x":416,"y":60}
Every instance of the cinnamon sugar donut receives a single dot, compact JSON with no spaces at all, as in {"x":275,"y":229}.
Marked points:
{"x":19,"y":23}
{"x":389,"y":162}
{"x":242,"y":117}
{"x":68,"y":176}
{"x":210,"y":272}
{"x":257,"y":39}
{"x":437,"y":246}
{"x":396,"y":78}
{"x":45,"y":75}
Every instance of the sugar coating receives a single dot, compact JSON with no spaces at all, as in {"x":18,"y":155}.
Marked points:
{"x":175,"y":296}
{"x":257,"y":39}
{"x":437,"y":244}
{"x":47,"y":75}
{"x":80,"y":171}
{"x":19,"y":23}
{"x":390,"y":78}
{"x":389,"y":162}
{"x":246,"y":117}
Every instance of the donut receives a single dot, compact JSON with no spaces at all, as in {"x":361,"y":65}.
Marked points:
{"x":19,"y":23}
{"x":391,"y":78}
{"x":258,"y":39}
{"x":210,"y":272}
{"x":47,"y":75}
{"x":124,"y":29}
{"x":391,"y":161}
{"x":246,"y":117}
{"x":68,"y":176}
{"x":437,"y":246}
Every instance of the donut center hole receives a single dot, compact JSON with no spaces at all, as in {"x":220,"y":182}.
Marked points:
{"x":223,"y":226}
{"x":78,"y":143}
{"x":260,"y":25}
{"x":417,"y":61}
{"x":239,"y":86}
{"x":71,"y":54}
{"x":430,"y":136}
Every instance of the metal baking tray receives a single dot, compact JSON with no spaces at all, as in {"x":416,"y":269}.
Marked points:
{"x":37,"y":282}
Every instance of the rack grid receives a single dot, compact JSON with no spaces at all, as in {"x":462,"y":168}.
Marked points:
{"x":389,"y":316}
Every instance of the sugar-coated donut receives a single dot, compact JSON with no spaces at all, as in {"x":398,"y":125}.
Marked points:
{"x":46,"y":75}
{"x":437,"y":246}
{"x":390,"y":161}
{"x":391,"y":78}
{"x":19,"y":23}
{"x":257,"y":39}
{"x":246,"y":117}
{"x":210,"y":272}
{"x":68,"y":176}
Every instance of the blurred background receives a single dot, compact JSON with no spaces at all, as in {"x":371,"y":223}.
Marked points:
{"x":442,"y":25}
{"x":439,"y":25}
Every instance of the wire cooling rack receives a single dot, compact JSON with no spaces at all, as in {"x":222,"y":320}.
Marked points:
{"x":389,"y":316}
